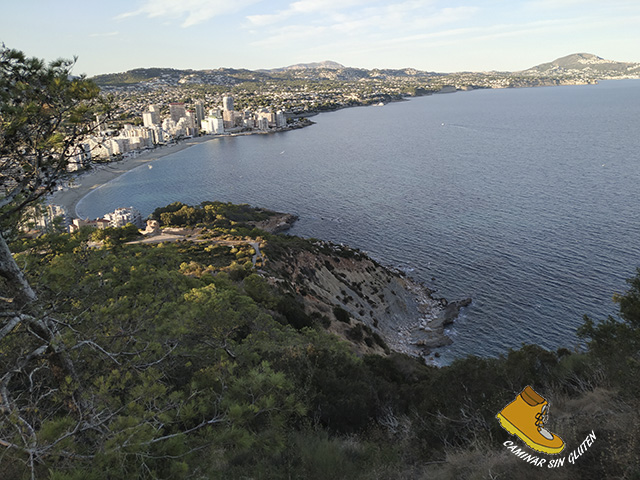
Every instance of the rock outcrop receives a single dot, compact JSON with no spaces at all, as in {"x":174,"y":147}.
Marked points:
{"x":278,"y":223}
{"x":365,"y":301}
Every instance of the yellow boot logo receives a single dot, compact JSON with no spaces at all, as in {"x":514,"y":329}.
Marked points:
{"x":525,"y":418}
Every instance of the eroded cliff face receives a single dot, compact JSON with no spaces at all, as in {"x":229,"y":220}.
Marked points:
{"x":370,"y":305}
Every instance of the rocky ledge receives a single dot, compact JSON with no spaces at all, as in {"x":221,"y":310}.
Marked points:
{"x":366,"y":302}
{"x":277,"y":223}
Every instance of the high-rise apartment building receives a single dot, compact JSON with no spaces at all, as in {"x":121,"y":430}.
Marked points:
{"x":199,"y":114}
{"x":227,"y":103}
{"x":229,"y":118}
{"x":177,"y":111}
{"x":150,"y":119}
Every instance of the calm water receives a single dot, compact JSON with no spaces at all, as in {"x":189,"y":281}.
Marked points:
{"x":525,"y":200}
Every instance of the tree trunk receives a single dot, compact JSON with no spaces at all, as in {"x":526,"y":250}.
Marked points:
{"x":19,"y":291}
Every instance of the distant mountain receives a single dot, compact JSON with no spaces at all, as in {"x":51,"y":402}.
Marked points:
{"x":582,"y":67}
{"x":313,"y":65}
{"x":585,"y":62}
{"x":134,"y":76}
{"x":317,"y":71}
{"x":158,"y":77}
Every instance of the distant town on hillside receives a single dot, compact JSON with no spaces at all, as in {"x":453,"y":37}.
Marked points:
{"x":160,"y":106}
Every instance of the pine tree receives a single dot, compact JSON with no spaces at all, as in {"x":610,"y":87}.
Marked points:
{"x":45,"y":113}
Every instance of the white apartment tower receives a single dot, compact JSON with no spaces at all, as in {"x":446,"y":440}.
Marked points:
{"x":150,"y":119}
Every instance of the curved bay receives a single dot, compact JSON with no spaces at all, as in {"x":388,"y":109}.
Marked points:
{"x":525,"y":200}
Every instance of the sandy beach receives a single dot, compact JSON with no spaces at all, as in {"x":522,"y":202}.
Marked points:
{"x":101,"y":174}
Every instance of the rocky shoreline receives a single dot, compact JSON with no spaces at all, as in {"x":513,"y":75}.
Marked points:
{"x":278,"y":223}
{"x":364,"y":298}
{"x":377,"y":309}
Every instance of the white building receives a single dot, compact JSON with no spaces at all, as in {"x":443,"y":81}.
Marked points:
{"x":45,"y":218}
{"x":119,"y":145}
{"x":229,"y":118}
{"x":81,"y":157}
{"x":100,"y":148}
{"x":177,"y":111}
{"x":121,"y":216}
{"x":268,"y":115}
{"x":150,"y":119}
{"x":158,"y":134}
{"x":213,"y":125}
{"x":78,"y":223}
{"x":173,"y":129}
{"x":191,"y":120}
{"x":263,"y":123}
{"x":182,"y":128}
{"x":168,"y":125}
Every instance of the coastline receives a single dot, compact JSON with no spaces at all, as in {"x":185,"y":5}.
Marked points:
{"x":77,"y":187}
{"x":101,"y":174}
{"x":81,"y":185}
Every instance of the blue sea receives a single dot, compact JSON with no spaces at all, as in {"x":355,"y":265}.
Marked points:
{"x":526,"y":200}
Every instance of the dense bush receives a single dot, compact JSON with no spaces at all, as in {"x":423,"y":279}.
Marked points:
{"x":218,"y":214}
{"x":174,"y":335}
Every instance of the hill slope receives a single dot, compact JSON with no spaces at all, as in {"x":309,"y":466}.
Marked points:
{"x":577,"y":63}
{"x":585,"y":62}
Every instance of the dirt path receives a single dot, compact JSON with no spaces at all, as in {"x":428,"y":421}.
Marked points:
{"x":175,"y":237}
{"x":258,"y":254}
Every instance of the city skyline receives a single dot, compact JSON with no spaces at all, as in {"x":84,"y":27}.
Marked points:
{"x":429,"y":35}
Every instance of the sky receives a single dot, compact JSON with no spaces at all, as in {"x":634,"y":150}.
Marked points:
{"x":432,"y":35}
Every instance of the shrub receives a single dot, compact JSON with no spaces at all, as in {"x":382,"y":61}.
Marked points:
{"x":341,"y":315}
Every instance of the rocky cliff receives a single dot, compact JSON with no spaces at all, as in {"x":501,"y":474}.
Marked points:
{"x":375,"y":307}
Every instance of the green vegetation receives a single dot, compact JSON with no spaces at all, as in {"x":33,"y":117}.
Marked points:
{"x":192,"y":365}
{"x":133,"y":76}
{"x":213,"y":213}
{"x":45,"y":113}
{"x":182,"y":360}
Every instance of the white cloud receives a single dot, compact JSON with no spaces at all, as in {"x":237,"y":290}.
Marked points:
{"x":303,"y":7}
{"x":288,"y":35}
{"x":403,"y":19}
{"x":311,"y":6}
{"x":340,"y":30}
{"x":109,"y":34}
{"x":339,"y":15}
{"x":556,"y":4}
{"x":463,"y":37}
{"x":195,"y":11}
{"x":378,"y":21}
{"x":269,"y":19}
{"x":584,"y":6}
